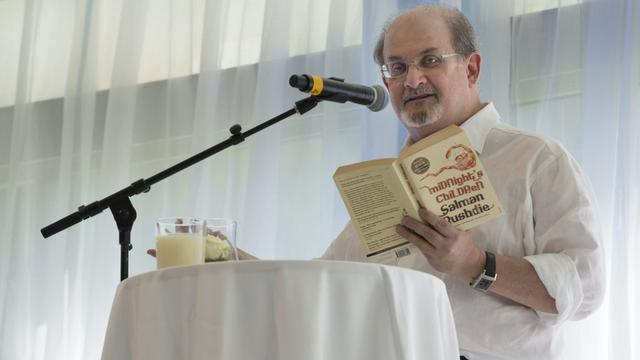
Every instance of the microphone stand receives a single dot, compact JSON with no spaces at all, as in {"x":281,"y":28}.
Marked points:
{"x":120,"y":204}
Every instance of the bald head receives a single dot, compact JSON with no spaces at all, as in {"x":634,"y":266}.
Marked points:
{"x":461,"y":33}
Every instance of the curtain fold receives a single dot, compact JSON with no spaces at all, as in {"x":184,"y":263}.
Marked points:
{"x":612,"y":158}
{"x":99,"y":93}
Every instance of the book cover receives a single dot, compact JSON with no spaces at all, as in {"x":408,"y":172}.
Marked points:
{"x":448,"y":178}
{"x":441,"y":172}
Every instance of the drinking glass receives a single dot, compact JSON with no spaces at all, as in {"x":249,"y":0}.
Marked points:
{"x":179,"y":241}
{"x":220,"y":239}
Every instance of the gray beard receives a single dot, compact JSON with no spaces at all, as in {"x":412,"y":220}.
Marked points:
{"x":415,"y":119}
{"x":421,"y":118}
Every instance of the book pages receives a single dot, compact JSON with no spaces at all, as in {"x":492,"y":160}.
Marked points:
{"x":377,"y":199}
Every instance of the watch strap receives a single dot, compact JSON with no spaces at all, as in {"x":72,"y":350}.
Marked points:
{"x":490,"y":264}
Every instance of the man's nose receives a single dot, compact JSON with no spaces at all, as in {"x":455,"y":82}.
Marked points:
{"x":415,"y":77}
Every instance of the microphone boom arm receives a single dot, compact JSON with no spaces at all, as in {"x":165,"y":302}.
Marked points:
{"x":120,"y":204}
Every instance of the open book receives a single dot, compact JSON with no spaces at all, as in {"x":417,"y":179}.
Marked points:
{"x":441,"y":172}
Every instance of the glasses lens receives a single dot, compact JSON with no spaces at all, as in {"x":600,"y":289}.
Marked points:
{"x":429,"y":61}
{"x":395,"y":69}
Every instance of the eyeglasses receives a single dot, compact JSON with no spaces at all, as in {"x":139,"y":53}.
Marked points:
{"x":398,"y":69}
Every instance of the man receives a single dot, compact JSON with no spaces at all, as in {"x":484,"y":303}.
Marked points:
{"x":546,"y":248}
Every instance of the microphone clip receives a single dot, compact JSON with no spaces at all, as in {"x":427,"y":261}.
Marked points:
{"x":306,"y":104}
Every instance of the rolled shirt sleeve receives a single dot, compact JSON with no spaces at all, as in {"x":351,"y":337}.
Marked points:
{"x":569,"y":254}
{"x":560,"y":276}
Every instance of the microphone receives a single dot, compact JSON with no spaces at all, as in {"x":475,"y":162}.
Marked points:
{"x":336,"y":90}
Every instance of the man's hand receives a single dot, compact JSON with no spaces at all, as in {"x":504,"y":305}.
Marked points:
{"x":242,"y":255}
{"x":448,"y":249}
{"x":452,"y":251}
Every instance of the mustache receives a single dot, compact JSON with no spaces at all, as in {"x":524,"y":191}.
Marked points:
{"x":421,"y":91}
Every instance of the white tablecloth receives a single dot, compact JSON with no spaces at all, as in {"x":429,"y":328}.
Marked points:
{"x":290,"y":310}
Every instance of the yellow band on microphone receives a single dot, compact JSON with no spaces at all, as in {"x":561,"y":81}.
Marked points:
{"x":317,"y":85}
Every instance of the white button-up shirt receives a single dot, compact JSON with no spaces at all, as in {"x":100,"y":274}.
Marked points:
{"x":549,"y":219}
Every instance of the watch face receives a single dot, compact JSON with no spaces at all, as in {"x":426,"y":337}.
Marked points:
{"x":484,"y":284}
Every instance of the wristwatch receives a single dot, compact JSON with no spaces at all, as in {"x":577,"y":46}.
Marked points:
{"x":488,"y":276}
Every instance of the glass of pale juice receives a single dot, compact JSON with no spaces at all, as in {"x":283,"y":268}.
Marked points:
{"x":180,"y":241}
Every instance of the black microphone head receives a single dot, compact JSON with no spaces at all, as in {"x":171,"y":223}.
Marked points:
{"x":302,"y":82}
{"x":381,"y":98}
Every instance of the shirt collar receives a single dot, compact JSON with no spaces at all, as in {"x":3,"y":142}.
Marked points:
{"x":476,"y":127}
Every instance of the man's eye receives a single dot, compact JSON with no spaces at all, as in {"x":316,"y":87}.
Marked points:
{"x":429,"y":61}
{"x":397,"y":68}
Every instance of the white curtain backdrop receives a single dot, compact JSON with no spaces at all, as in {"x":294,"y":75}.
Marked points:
{"x":95,"y":94}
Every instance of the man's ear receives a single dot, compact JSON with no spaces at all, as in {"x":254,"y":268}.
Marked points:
{"x":473,"y":69}
{"x":386,"y":84}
